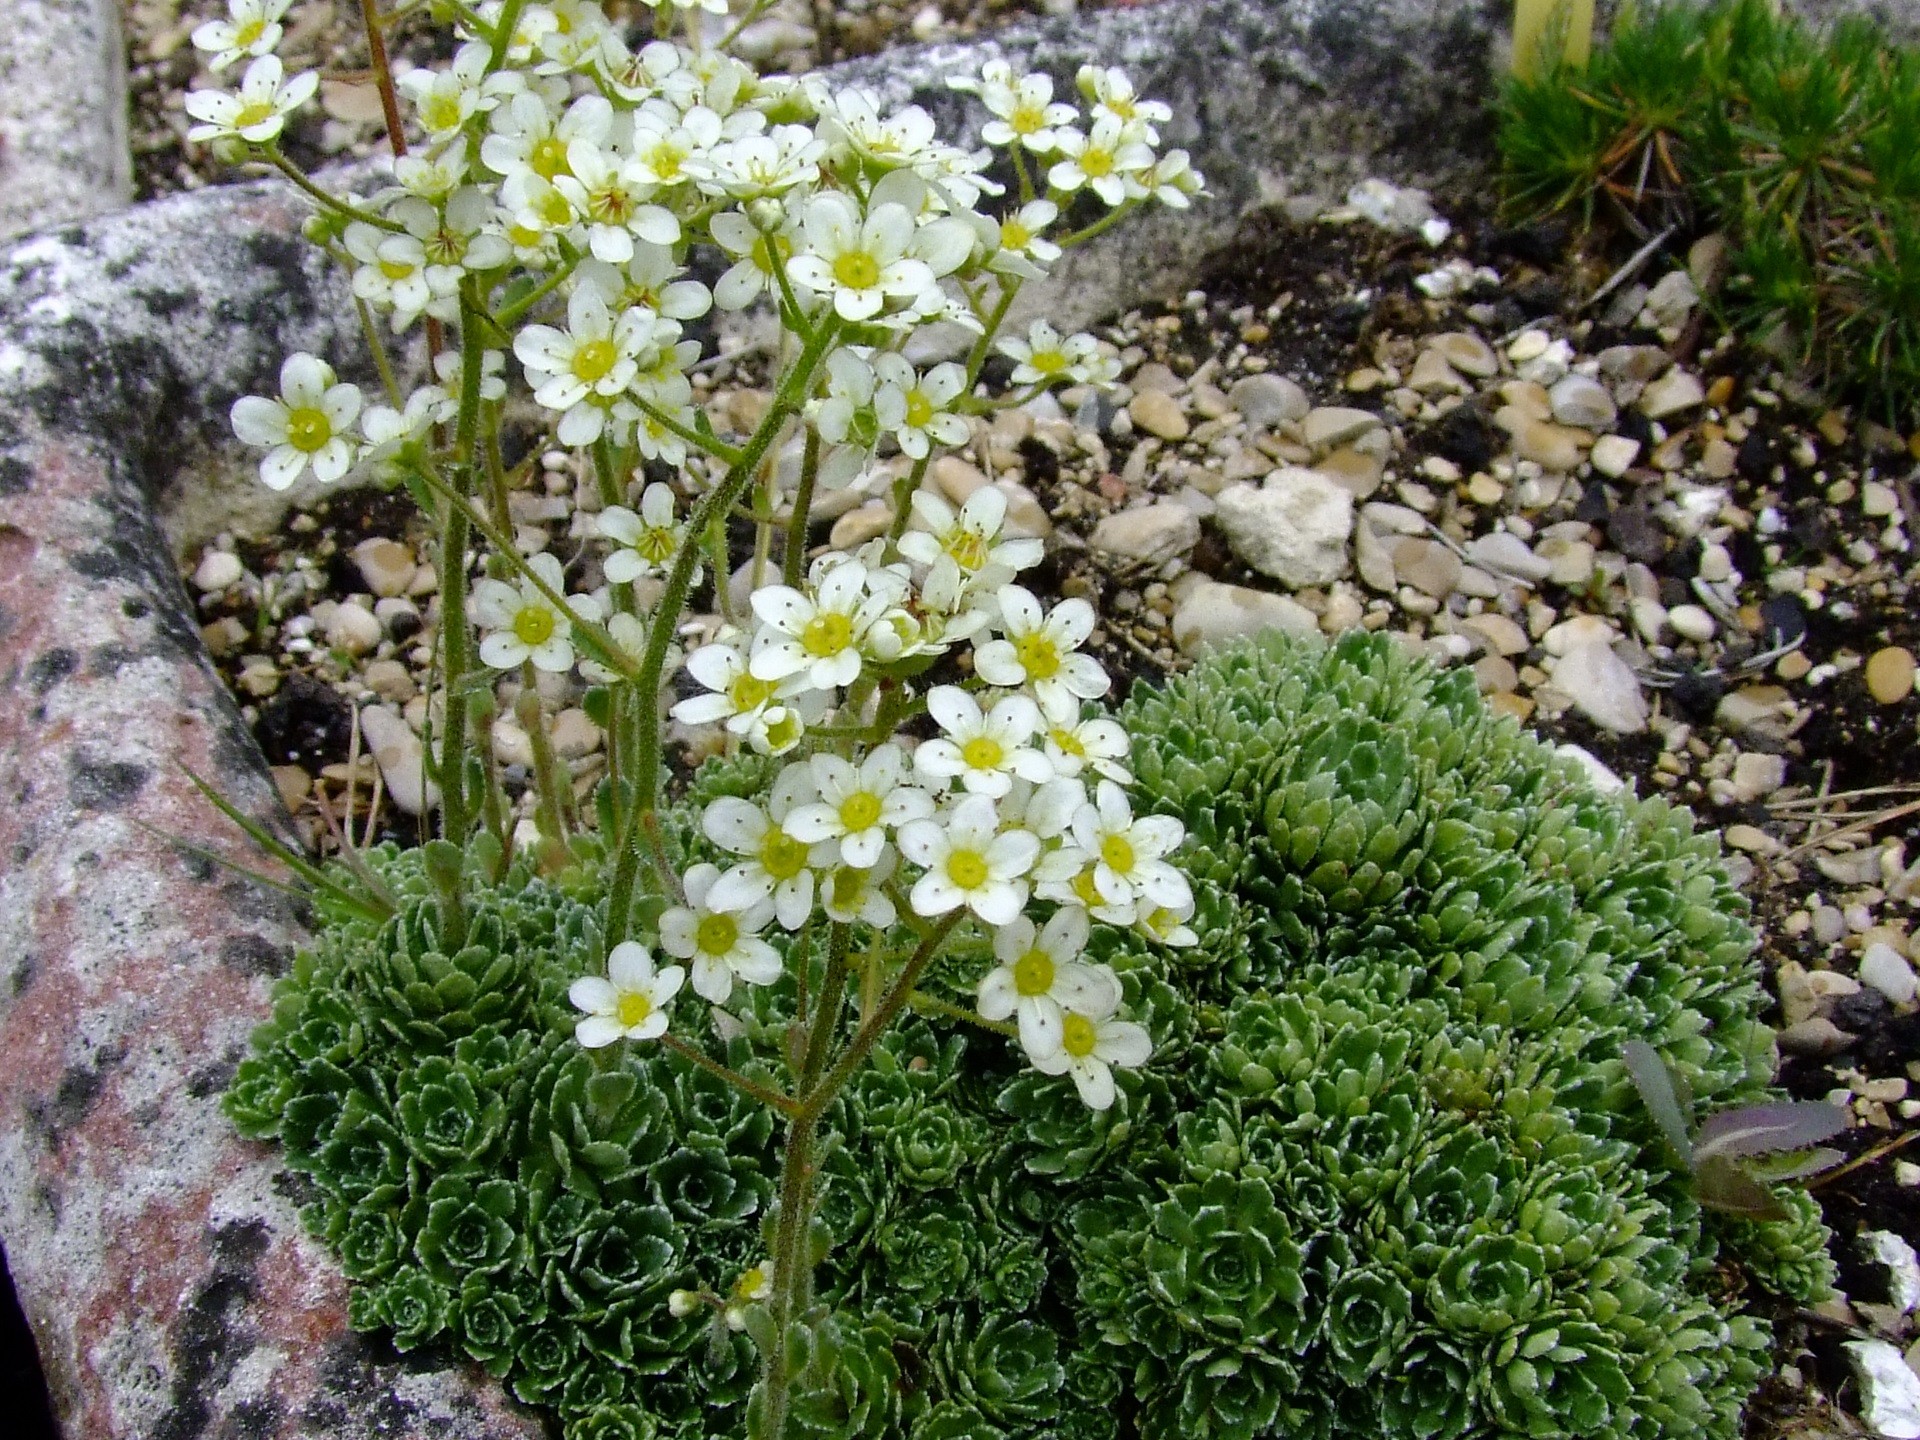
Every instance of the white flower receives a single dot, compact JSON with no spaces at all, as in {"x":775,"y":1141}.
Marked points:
{"x":761,"y":712}
{"x":1112,"y":96}
{"x":850,"y":120}
{"x":1102,"y":161}
{"x":984,"y":751}
{"x":1038,"y":978}
{"x":1019,"y":246}
{"x":1073,"y":744}
{"x":251,"y":29}
{"x":916,"y":408}
{"x":446,"y":99}
{"x":844,"y":416}
{"x":1024,"y":110}
{"x":630,"y":1003}
{"x":849,"y":893}
{"x":612,"y":196}
{"x":720,"y":945}
{"x":969,"y":538}
{"x":593,"y":359}
{"x":1169,"y":925}
{"x":860,"y":263}
{"x":259,"y":112}
{"x":778,"y":862}
{"x":1041,"y":651}
{"x":1127,"y":851}
{"x":525,"y":625}
{"x":859,"y":804}
{"x":629,"y":635}
{"x":759,"y":258}
{"x":307,"y":425}
{"x":1090,"y":1044}
{"x":396,"y":274}
{"x":1044,"y":357}
{"x":648,"y":541}
{"x":526,"y":138}
{"x":816,"y":635}
{"x":1173,"y":181}
{"x":460,"y":234}
{"x":664,"y":141}
{"x":970,"y":861}
{"x":648,"y":281}
{"x":768,"y":164}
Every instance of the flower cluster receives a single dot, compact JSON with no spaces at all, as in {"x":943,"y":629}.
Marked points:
{"x":562,"y":161}
{"x":1018,"y":799}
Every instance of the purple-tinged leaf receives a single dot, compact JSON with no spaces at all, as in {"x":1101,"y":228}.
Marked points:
{"x":1796,"y":1166}
{"x":1765,"y":1129}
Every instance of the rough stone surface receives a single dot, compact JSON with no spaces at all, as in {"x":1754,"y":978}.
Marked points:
{"x":1294,"y":528}
{"x":1148,"y":532}
{"x":158,"y":1257}
{"x":1602,"y":687}
{"x":1210,"y":613}
{"x":63,"y":113}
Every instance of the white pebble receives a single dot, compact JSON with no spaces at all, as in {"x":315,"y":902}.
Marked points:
{"x":217,"y":570}
{"x":1691,"y":622}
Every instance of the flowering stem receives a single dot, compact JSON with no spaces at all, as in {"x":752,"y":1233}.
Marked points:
{"x":383,"y":77}
{"x":455,"y":819}
{"x":666,"y":619}
{"x":511,"y":315}
{"x":933,"y":1005}
{"x":332,"y":202}
{"x":1099,"y":227}
{"x":503,"y":28}
{"x":785,"y":1104}
{"x":711,"y":444}
{"x":795,"y":556}
{"x":388,"y":382}
{"x":546,"y":774}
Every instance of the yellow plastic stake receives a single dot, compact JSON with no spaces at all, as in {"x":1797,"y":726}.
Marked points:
{"x":1546,"y":31}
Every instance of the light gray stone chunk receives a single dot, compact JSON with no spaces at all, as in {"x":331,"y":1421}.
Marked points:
{"x":1579,"y":400}
{"x":1210,"y":613}
{"x":1602,"y":687}
{"x":1887,"y":970}
{"x":1294,"y":528}
{"x":1265,"y":401}
{"x":63,"y":113}
{"x":1507,"y":553}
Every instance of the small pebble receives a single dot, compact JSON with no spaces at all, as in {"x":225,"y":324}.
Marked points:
{"x":1691,"y":622}
{"x":1890,"y":674}
{"x":1887,"y":971}
{"x":1265,"y":401}
{"x":217,"y":570}
{"x":1158,"y":413}
{"x":353,"y":630}
{"x":1612,"y":454}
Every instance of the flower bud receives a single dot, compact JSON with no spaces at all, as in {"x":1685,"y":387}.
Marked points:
{"x":767,"y":213}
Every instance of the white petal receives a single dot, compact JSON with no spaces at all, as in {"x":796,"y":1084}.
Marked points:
{"x":1094,"y":1081}
{"x":629,"y":966}
{"x":597,"y":1030}
{"x":593,"y":994}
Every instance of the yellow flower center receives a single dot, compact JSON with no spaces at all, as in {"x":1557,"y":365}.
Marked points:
{"x":983,"y":752}
{"x":1033,"y":972}
{"x":554,"y":209}
{"x":1096,"y":163}
{"x":748,"y":692}
{"x":655,"y":545}
{"x":846,"y":887}
{"x":249,"y":31}
{"x":919,"y":409}
{"x":611,"y":206}
{"x":440,"y":111}
{"x":1067,"y":742}
{"x":533,"y":625}
{"x":308,"y":429}
{"x":968,"y":549}
{"x":396,"y":269}
{"x":524,"y":236}
{"x":634,"y":1007}
{"x":548,"y":157}
{"x":782,"y":856}
{"x":1077,"y":1035}
{"x":860,"y":811}
{"x":1014,"y":235}
{"x":1027,"y":117}
{"x":784,"y":733}
{"x":256,"y":112}
{"x":967,"y":869}
{"x":857,"y":270}
{"x":716,"y":933}
{"x":826,"y":634}
{"x":1038,"y":655}
{"x":1086,"y":892}
{"x":751,"y":1285}
{"x":593,"y":360}
{"x":1117,"y":851}
{"x":1049,"y":362}
{"x":664,"y":160}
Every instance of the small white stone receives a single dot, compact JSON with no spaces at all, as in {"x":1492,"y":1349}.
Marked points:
{"x":1691,"y":622}
{"x":1579,"y":400}
{"x":573,"y":734}
{"x":1267,"y":400}
{"x":1715,"y":564}
{"x":1294,"y":528}
{"x":1528,"y":345}
{"x":217,"y":570}
{"x":1148,"y":532}
{"x":1889,"y":1390}
{"x":1210,"y":613}
{"x":401,"y":758}
{"x":1757,"y":775}
{"x":1613,"y":454}
{"x":1332,"y":425}
{"x":1897,"y":1255}
{"x":1604,"y":780}
{"x":1602,"y":687}
{"x":386,"y":565}
{"x":353,"y":630}
{"x":1673,"y":392}
{"x":1508,"y":554}
{"x":1888,"y":971}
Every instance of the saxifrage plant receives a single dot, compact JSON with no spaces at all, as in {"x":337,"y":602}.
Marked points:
{"x":1387,"y":1173}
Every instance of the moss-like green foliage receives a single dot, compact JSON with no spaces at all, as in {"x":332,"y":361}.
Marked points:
{"x":1797,"y":141}
{"x":1387,"y":1175}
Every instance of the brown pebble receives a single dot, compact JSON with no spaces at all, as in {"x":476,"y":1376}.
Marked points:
{"x":1720,"y":392}
{"x":1890,"y":674}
